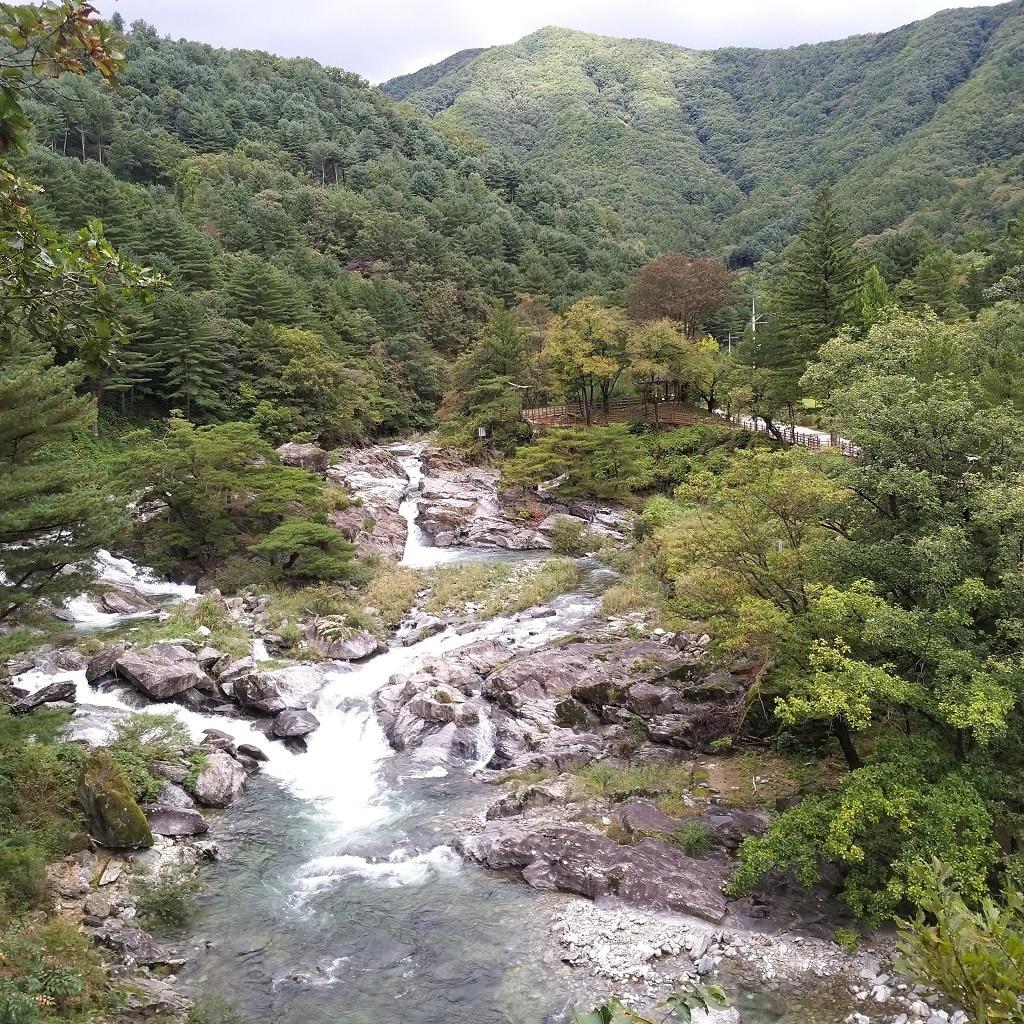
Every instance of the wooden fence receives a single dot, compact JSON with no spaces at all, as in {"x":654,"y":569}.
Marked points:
{"x":678,"y":414}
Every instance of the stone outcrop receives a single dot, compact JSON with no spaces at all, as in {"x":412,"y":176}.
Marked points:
{"x":53,"y":693}
{"x":376,"y":479}
{"x":293,"y":724}
{"x":575,"y":859}
{"x":333,"y":638}
{"x":459,"y":504}
{"x":463,"y":504}
{"x":438,"y":697}
{"x":310,"y":457}
{"x":113,"y":817}
{"x":161,"y":670}
{"x":565,"y":702}
{"x":221,"y":780}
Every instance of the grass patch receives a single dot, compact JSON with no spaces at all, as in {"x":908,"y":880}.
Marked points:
{"x":389,"y":593}
{"x":392,"y":591}
{"x":185,"y":621}
{"x":212,"y":1009}
{"x":500,"y":589}
{"x":630,"y":595}
{"x":527,"y":777}
{"x":554,"y":577}
{"x":452,"y":587}
{"x":619,"y":781}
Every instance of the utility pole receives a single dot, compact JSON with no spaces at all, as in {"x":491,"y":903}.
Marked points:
{"x":754,"y":318}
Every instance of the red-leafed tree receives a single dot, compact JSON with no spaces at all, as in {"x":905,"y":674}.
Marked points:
{"x":687,"y":291}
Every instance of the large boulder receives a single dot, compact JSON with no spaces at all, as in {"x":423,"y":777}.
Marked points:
{"x":333,"y":638}
{"x":575,"y":859}
{"x":161,"y":670}
{"x":298,"y":685}
{"x":126,"y":602}
{"x":176,"y":821}
{"x":233,"y":671}
{"x":113,"y":817}
{"x":102,"y":663}
{"x":52,"y":693}
{"x":258,"y":693}
{"x":310,"y":457}
{"x":221,"y":780}
{"x":291,"y":724}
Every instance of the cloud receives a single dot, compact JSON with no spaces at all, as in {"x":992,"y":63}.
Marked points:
{"x":391,"y":37}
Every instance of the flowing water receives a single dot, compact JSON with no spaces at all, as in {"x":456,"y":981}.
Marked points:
{"x":337,"y":897}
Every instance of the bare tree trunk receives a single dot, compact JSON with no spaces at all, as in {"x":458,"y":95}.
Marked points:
{"x":842,"y":731}
{"x":81,"y":133}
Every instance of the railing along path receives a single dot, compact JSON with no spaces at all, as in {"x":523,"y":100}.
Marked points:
{"x":678,"y":414}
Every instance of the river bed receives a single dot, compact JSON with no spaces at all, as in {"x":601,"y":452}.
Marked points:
{"x":337,"y":897}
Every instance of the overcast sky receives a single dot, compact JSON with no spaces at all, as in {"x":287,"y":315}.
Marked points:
{"x":383,"y":38}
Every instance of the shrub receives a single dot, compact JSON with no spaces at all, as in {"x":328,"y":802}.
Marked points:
{"x":973,"y":954}
{"x":143,"y":739}
{"x":302,"y":550}
{"x":50,"y":972}
{"x":694,"y":838}
{"x":879,"y":826}
{"x":167,"y":902}
{"x":187,"y":618}
{"x":847,"y":939}
{"x":22,"y":874}
{"x":570,"y":537}
{"x":39,"y":813}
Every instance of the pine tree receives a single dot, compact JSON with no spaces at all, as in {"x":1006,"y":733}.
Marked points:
{"x":821,"y":280}
{"x":875,"y":298}
{"x":190,"y":357}
{"x":54,"y":511}
{"x":258,"y":291}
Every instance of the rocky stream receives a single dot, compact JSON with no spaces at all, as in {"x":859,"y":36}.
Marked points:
{"x":361,"y":857}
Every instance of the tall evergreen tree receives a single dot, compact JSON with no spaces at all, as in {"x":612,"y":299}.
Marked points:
{"x":257,"y":291}
{"x":189,"y":355}
{"x":55,"y":294}
{"x":820,"y":288}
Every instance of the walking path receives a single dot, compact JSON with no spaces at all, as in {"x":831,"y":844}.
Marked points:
{"x":673,"y":413}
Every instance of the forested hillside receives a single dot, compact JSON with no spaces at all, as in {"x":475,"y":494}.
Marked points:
{"x":716,"y":150}
{"x":325,"y":250}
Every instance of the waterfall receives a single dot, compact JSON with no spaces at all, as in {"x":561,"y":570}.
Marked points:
{"x":484,"y":737}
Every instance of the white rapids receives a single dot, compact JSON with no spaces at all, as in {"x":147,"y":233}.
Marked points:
{"x":340,"y":775}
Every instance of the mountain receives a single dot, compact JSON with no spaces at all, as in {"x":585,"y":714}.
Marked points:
{"x":306,"y":223}
{"x":402,"y":86}
{"x":711,"y":149}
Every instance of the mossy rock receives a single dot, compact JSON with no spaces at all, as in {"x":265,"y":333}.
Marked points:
{"x":115,"y":820}
{"x":571,"y":714}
